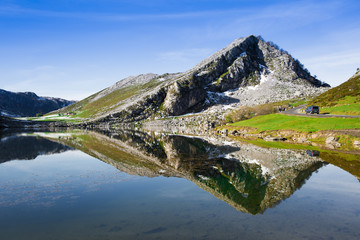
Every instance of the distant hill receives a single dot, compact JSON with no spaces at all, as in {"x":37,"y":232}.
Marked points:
{"x":28,"y":104}
{"x":249,"y":71}
{"x":343,"y":99}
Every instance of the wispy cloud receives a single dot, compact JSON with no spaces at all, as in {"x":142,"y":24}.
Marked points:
{"x":37,"y":69}
{"x":185,"y":55}
{"x":54,"y":81}
{"x":38,"y":75}
{"x":334,"y":67}
{"x":336,"y":59}
{"x":304,"y":10}
{"x":268,"y":20}
{"x":301,"y":11}
{"x":280,"y":17}
{"x":17,"y":11}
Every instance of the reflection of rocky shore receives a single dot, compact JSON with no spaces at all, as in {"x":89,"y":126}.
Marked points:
{"x":17,"y":147}
{"x":249,"y":178}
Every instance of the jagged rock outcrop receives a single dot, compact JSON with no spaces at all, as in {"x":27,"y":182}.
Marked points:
{"x":28,"y":104}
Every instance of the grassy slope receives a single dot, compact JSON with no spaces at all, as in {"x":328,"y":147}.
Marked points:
{"x":300,"y":124}
{"x":101,"y":146}
{"x":344,"y":99}
{"x":87,"y":108}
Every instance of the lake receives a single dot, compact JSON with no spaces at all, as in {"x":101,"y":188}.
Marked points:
{"x":145,"y":185}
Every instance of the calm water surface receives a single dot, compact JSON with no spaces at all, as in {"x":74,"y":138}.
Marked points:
{"x":138,"y":186}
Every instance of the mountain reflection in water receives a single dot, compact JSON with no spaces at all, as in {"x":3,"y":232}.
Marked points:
{"x":25,"y":147}
{"x":249,"y":178}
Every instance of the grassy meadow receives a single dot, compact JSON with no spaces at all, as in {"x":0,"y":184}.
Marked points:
{"x":273,"y":122}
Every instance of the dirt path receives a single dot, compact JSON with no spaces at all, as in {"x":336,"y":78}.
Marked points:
{"x":296,"y":112}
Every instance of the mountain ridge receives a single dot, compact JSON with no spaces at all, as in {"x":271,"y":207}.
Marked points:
{"x":28,"y":104}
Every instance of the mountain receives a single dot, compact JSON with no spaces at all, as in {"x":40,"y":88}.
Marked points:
{"x":31,"y":147}
{"x":28,"y":104}
{"x":249,"y":71}
{"x":343,"y":99}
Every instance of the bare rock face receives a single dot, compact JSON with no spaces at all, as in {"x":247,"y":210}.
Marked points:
{"x":179,"y":98}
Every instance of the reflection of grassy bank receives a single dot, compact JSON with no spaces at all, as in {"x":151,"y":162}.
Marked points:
{"x":353,"y":155}
{"x":109,"y":150}
{"x":277,"y":144}
{"x":347,"y":160}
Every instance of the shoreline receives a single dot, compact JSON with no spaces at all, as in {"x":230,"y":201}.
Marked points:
{"x":200,"y":125}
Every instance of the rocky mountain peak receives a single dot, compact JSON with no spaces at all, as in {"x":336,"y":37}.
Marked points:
{"x":230,"y":52}
{"x":246,"y":62}
{"x":248,"y":71}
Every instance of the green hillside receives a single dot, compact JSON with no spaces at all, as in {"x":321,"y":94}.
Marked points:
{"x":94,"y":105}
{"x":343,"y":99}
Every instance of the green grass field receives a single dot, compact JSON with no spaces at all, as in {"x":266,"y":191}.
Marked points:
{"x":301,"y":124}
{"x":343,"y":99}
{"x":348,"y":105}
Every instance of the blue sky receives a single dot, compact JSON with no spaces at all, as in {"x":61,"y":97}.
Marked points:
{"x":74,"y":48}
